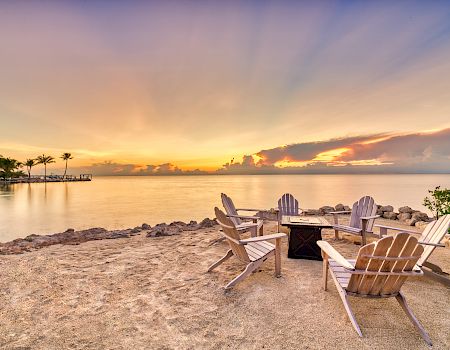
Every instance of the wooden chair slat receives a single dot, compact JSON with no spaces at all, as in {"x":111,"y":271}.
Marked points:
{"x":394,"y":251}
{"x":288,"y":205}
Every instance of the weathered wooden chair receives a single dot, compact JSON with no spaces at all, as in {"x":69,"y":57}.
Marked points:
{"x":431,"y":238}
{"x":255,"y":226}
{"x":287,"y":205}
{"x":361,"y":220}
{"x":379,"y":271}
{"x":251,"y":251}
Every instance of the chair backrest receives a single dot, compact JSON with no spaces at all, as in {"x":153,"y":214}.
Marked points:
{"x":364,"y":207}
{"x":232,"y":235}
{"x":288,"y":205}
{"x":433,"y":233}
{"x":385,"y":265}
{"x":230,"y":208}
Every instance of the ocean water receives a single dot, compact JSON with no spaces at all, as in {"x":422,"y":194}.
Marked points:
{"x":122,"y":202}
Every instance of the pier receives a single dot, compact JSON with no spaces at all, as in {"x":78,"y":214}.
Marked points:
{"x":50,"y":178}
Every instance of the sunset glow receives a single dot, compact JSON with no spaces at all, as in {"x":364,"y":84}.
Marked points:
{"x":133,"y":87}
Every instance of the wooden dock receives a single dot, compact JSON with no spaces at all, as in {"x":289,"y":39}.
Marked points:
{"x":50,"y":178}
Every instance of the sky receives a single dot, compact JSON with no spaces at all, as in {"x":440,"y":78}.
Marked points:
{"x":193,"y":87}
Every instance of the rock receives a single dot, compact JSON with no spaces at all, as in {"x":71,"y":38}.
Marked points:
{"x":72,"y":237}
{"x":411,"y":222}
{"x":404,"y":216}
{"x":146,"y":227}
{"x":405,"y":209}
{"x":387,"y":208}
{"x":379,"y":212}
{"x":339,"y":207}
{"x":421,"y":224}
{"x":419,"y":216}
{"x":207,"y":222}
{"x":390,"y":215}
{"x":137,"y":229}
{"x":312,"y":212}
{"x":326,"y":209}
{"x":347,"y":208}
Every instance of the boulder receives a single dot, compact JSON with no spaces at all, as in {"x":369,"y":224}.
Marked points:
{"x":312,"y":212}
{"x":326,"y":209}
{"x":404,"y":216}
{"x":421,"y":224}
{"x":411,"y":222}
{"x":419,"y":216}
{"x":390,"y":215}
{"x":387,"y":208}
{"x":339,"y":207}
{"x":347,"y":208}
{"x":207,"y":222}
{"x":379,"y":212}
{"x":146,"y":226}
{"x":405,"y":209}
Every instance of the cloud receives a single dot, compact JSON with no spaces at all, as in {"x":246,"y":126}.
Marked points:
{"x":112,"y":168}
{"x":425,"y":152}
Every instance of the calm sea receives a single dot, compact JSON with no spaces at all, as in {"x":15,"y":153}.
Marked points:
{"x":122,"y":202}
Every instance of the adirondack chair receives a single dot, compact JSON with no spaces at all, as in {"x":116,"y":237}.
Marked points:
{"x":287,"y":205}
{"x":430,"y":239}
{"x":251,"y":251}
{"x":361,"y":220}
{"x":379,"y":271}
{"x":255,"y":226}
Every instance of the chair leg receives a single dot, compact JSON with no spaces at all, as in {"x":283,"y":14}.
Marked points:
{"x":402,"y":301}
{"x":228,"y":255}
{"x":248,"y":270}
{"x":325,"y":270}
{"x":344,"y":298}
{"x":254,"y":231}
{"x":278,"y":257}
{"x":350,"y":314}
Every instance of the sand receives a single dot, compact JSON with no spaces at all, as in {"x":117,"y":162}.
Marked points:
{"x":153,"y":293}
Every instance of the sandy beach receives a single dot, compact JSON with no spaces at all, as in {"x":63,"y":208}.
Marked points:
{"x":154,"y":293}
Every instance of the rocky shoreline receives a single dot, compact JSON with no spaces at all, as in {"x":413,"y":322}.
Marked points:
{"x":72,"y":237}
{"x":405,"y":215}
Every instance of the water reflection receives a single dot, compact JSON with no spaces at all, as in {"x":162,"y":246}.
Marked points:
{"x":119,"y":202}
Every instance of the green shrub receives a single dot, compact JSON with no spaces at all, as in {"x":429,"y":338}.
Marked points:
{"x":438,"y":202}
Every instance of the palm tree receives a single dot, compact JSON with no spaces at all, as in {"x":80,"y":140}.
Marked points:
{"x":45,"y":160}
{"x":10,"y":168}
{"x":66,"y":157}
{"x":29,"y":163}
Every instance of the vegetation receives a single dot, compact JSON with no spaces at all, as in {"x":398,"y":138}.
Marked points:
{"x":9,"y":168}
{"x":66,"y":157}
{"x":29,"y":163}
{"x":45,"y":160}
{"x":438,"y":202}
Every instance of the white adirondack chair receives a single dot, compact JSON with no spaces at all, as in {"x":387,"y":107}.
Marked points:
{"x":430,"y":239}
{"x":255,"y":226}
{"x":379,"y":271}
{"x":361,"y":220}
{"x":287,"y":205}
{"x":251,"y":251}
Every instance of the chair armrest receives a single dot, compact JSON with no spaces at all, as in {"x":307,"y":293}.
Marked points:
{"x":369,"y":217}
{"x":397,"y":229}
{"x":263,"y":238}
{"x":335,"y":255}
{"x":340,"y":212}
{"x":432,"y":244}
{"x":249,"y":209}
{"x":244,"y":217}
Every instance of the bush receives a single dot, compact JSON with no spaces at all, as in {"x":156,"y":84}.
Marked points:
{"x":438,"y":202}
